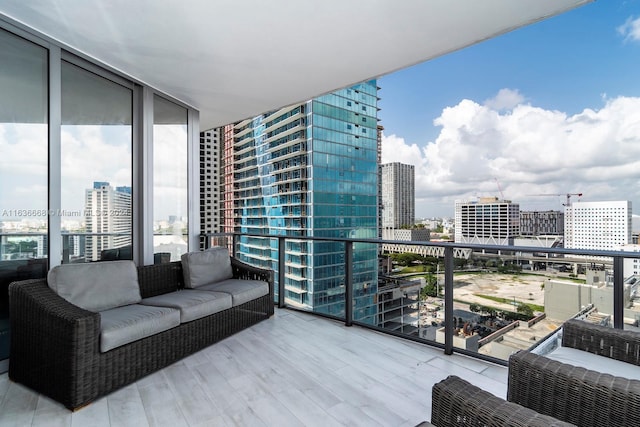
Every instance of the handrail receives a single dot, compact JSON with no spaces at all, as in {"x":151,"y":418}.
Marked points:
{"x":449,"y":250}
{"x":559,"y":251}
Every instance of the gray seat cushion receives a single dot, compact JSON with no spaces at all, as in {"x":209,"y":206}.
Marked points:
{"x":96,"y":286}
{"x":192,"y":303}
{"x":206,"y":267}
{"x":241,"y":290}
{"x":602,"y":364}
{"x":129,"y":323}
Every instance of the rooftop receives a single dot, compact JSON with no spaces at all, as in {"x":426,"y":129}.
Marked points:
{"x":294,"y":369}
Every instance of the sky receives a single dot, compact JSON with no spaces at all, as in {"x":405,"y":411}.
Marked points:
{"x":529,"y":116}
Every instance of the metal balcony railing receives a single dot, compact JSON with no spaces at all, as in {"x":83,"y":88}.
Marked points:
{"x":352,"y":295}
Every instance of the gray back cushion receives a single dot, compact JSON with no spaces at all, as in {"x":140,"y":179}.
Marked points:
{"x":206,"y":267}
{"x":96,"y":286}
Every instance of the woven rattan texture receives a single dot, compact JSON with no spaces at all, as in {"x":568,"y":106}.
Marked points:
{"x":455,"y":402}
{"x":573,"y":394}
{"x":55,"y":345}
{"x":614,"y":343}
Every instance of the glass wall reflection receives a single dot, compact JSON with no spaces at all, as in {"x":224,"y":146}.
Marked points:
{"x":170,"y":143}
{"x":96,"y":138}
{"x":23,"y":168}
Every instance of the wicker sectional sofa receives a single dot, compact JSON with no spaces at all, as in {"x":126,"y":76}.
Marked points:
{"x":56,"y":346}
{"x":576,"y":394}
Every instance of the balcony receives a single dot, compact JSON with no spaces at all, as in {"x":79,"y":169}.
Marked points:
{"x":304,"y":368}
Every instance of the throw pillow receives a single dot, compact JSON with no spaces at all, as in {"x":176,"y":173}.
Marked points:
{"x":206,"y":267}
{"x":96,"y":286}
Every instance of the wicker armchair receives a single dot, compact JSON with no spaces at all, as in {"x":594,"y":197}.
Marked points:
{"x":455,"y":402}
{"x":575,"y":394}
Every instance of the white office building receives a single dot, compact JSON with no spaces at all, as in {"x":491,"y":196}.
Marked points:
{"x":487,"y":220}
{"x":597,"y":225}
{"x":107,"y":219}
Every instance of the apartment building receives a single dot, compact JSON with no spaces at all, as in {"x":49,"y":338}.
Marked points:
{"x":210,"y":180}
{"x":107,"y":219}
{"x":398,"y":195}
{"x":310,"y":169}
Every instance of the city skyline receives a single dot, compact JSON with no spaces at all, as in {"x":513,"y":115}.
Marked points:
{"x":552,"y":108}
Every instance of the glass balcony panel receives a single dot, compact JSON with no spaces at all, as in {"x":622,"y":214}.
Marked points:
{"x":504,"y":300}
{"x":410,"y":292}
{"x":631,"y":277}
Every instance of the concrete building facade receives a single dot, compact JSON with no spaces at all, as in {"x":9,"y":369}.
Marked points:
{"x":210,"y":180}
{"x":107,"y":219}
{"x":541,"y":223}
{"x":487,"y":220}
{"x":597,"y":225}
{"x":398,"y":195}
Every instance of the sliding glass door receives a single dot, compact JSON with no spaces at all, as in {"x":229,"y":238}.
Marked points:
{"x":96,"y":167}
{"x":24,"y":136}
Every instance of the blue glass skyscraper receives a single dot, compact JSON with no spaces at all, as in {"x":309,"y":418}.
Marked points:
{"x":312,"y":170}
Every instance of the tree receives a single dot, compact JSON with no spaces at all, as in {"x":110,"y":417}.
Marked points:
{"x":459,"y":263}
{"x":525,"y":309}
{"x":429,"y":290}
{"x":406,"y":258}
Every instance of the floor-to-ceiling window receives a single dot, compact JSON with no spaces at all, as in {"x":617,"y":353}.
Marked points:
{"x":96,"y":169}
{"x":73,"y":174}
{"x":170,"y":216}
{"x":23,"y":168}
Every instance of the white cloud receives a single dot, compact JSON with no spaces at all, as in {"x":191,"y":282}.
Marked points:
{"x":505,"y":99}
{"x":528,"y":150}
{"x":24,"y":166}
{"x":394,"y":149}
{"x":630,"y":30}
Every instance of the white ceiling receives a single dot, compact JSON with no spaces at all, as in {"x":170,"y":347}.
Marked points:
{"x":232,"y":59}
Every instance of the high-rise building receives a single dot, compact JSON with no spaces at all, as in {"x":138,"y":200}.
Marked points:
{"x":380,"y":130}
{"x":488,"y":221}
{"x":597,"y":225}
{"x":398,"y":195}
{"x":541,"y":223}
{"x":310,"y":169}
{"x":107,"y":219}
{"x":210,"y":180}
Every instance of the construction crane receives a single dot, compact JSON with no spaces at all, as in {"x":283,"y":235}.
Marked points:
{"x":499,"y":188}
{"x":568,"y":195}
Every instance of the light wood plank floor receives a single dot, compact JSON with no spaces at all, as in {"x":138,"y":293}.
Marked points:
{"x":294,"y":369}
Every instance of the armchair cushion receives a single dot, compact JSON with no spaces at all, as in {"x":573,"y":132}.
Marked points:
{"x":241,"y":290}
{"x":206,"y":267}
{"x":122,"y":325}
{"x":595,"y":362}
{"x":96,"y":286}
{"x":192,"y":303}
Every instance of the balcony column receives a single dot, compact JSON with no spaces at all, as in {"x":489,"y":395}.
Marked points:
{"x":448,"y":300}
{"x":281,"y":260}
{"x":348,"y":283}
{"x":618,"y":292}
